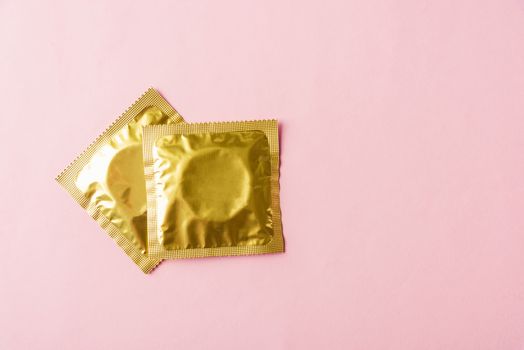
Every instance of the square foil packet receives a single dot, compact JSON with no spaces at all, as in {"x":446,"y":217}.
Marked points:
{"x":213,"y":189}
{"x":107,"y":179}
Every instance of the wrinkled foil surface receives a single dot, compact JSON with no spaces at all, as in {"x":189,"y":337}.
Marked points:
{"x":214,"y":190}
{"x":113,"y":179}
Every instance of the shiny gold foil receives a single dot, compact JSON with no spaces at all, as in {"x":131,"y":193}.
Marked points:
{"x":107,"y":179}
{"x":213,"y":189}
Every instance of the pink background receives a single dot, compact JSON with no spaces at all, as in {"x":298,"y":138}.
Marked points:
{"x":402,"y":172}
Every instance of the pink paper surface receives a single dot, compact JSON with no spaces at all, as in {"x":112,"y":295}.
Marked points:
{"x":402,"y":172}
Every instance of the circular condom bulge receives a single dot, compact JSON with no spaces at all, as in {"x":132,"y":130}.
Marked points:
{"x":125,"y":179}
{"x":215,"y":184}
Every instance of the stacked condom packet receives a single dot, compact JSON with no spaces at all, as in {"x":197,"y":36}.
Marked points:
{"x":164,"y":189}
{"x":212,"y":189}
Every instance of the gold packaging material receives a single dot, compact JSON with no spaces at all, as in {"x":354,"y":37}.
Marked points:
{"x":107,"y":179}
{"x":213,"y":189}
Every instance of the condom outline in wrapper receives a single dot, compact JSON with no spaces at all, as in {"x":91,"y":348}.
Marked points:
{"x":213,"y":189}
{"x":107,"y":178}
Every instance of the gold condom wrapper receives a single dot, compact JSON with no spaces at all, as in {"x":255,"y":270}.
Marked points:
{"x":213,"y":189}
{"x":107,"y":179}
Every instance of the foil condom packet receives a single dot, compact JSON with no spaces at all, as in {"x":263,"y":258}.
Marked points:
{"x":107,"y":179}
{"x":213,"y":189}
